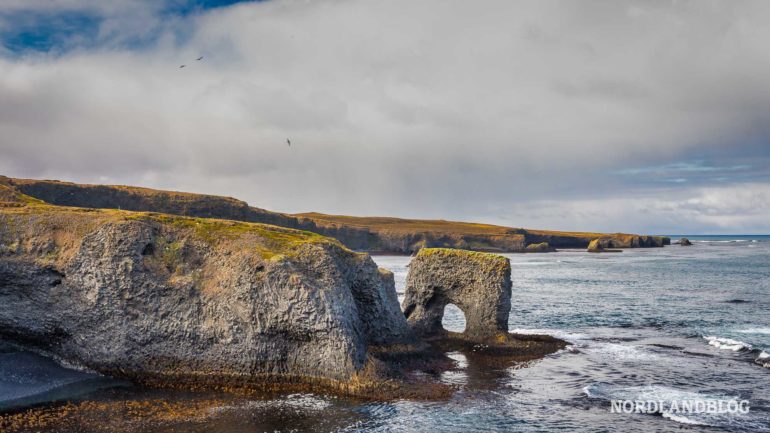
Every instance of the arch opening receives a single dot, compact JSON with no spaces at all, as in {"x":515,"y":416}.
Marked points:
{"x":453,"y":319}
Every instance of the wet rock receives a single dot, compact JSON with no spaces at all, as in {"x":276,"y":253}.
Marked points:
{"x":685,"y":242}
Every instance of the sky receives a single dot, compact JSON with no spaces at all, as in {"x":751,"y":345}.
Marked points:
{"x":647,"y":117}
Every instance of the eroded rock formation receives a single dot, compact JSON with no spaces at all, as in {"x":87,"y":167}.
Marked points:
{"x":541,"y":247}
{"x":685,"y":242}
{"x":478,"y":283}
{"x":602,"y":245}
{"x":174,"y":300}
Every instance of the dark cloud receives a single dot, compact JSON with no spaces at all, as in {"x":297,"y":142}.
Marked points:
{"x":639,"y":116}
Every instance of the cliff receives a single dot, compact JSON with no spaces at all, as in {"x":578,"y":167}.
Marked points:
{"x":179,"y":301}
{"x":373,"y":234}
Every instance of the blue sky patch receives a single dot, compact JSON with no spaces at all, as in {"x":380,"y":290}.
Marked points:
{"x":32,"y":30}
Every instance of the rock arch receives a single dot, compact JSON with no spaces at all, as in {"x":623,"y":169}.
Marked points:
{"x":479,"y":284}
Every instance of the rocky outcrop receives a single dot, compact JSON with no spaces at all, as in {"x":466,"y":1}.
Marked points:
{"x":602,"y":245}
{"x":477,"y":283}
{"x":595,"y":246}
{"x":685,"y":242}
{"x":542,"y":247}
{"x":182,"y":301}
{"x":582,"y":240}
{"x":373,"y":234}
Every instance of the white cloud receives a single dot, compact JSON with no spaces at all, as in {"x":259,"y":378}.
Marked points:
{"x":734,"y":209}
{"x":430,"y":108}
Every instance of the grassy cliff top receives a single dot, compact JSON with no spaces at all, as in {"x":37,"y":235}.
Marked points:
{"x":442,"y":226}
{"x":28,"y":214}
{"x":409,"y":225}
{"x":453,"y":252}
{"x":142,"y":199}
{"x":148,"y":193}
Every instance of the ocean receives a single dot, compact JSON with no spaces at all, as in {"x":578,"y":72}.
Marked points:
{"x":673,"y":324}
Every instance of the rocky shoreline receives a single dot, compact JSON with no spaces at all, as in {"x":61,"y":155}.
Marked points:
{"x":194,"y":303}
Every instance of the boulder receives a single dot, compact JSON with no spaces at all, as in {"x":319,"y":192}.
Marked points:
{"x":685,"y":242}
{"x":179,"y":301}
{"x":477,"y":283}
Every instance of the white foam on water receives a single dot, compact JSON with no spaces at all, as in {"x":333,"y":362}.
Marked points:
{"x":764,"y":331}
{"x":727,"y":343}
{"x":763,"y":359}
{"x":681,"y":419}
{"x":600,"y":349}
{"x":621,"y":352}
{"x":306,"y":402}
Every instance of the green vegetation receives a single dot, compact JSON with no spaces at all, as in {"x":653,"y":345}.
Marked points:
{"x":73,"y":223}
{"x":452,"y":252}
{"x":366,"y":233}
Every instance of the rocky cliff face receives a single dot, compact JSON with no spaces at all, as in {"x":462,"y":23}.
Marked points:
{"x":387,"y":235}
{"x":175,"y":300}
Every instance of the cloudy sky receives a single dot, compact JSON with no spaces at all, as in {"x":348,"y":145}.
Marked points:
{"x":649,"y":116}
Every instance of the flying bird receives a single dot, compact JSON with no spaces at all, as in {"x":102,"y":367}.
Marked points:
{"x":182,"y":66}
{"x":288,"y":142}
{"x":199,"y":58}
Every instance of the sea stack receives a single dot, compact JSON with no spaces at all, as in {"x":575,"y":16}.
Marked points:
{"x":478,"y":283}
{"x":685,"y":242}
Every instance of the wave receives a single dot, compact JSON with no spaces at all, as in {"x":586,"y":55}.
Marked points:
{"x":595,"y":346}
{"x":728,"y":344}
{"x":762,"y":357}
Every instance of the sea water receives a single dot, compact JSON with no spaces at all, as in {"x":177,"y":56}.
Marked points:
{"x":659,"y":324}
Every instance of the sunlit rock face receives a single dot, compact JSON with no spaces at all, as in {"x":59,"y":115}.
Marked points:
{"x":477,"y":283}
{"x":176,"y":300}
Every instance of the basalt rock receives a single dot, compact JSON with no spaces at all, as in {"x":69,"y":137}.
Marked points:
{"x":480,"y":285}
{"x":180,"y":301}
{"x":477,"y":283}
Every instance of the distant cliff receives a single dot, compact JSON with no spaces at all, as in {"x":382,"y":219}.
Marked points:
{"x":373,"y":234}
